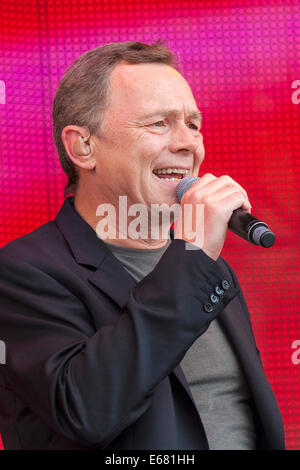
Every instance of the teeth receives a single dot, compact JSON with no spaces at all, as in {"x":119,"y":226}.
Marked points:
{"x":170,"y":179}
{"x":163,"y":171}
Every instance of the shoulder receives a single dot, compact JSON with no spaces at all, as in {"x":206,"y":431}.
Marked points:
{"x":34,"y":256}
{"x":36,"y":267}
{"x":31,"y":248}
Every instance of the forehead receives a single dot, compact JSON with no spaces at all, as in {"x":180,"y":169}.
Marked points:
{"x":142,"y":86}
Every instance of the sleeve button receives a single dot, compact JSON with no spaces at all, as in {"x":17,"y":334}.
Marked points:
{"x":225,"y":284}
{"x":214,"y":298}
{"x":219,"y":291}
{"x":208,"y":307}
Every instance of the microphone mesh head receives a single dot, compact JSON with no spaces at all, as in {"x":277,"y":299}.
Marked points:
{"x":267,"y":239}
{"x":184,"y":185}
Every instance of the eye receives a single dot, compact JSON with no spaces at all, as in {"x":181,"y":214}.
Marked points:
{"x":158,"y":123}
{"x":196,"y":128}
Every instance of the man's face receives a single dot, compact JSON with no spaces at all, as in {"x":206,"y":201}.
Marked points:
{"x":150,"y":124}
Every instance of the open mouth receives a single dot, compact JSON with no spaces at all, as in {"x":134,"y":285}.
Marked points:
{"x":171,"y":174}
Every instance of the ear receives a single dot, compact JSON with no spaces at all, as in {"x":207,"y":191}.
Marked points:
{"x":76,"y":140}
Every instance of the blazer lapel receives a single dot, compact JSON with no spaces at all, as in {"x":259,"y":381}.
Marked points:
{"x":91,"y":251}
{"x":239,"y":333}
{"x":113,"y":279}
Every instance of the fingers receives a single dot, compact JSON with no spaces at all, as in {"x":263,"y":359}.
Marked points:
{"x":218,"y":197}
{"x":210,"y":189}
{"x":225,"y":192}
{"x":231,"y":201}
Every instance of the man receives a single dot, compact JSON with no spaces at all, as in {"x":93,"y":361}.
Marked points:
{"x":96,"y":330}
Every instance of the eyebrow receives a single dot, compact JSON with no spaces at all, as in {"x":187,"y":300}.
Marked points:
{"x":192,"y":115}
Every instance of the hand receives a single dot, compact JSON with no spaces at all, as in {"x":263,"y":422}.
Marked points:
{"x":220,"y":196}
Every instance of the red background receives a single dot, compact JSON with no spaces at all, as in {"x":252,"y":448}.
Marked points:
{"x":240,"y":59}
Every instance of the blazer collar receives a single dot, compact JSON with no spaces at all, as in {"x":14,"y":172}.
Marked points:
{"x":86,"y":247}
{"x":89,"y":250}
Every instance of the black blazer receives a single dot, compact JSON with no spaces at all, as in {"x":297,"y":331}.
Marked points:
{"x":92,"y":358}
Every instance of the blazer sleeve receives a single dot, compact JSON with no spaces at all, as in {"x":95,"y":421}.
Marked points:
{"x":91,"y":385}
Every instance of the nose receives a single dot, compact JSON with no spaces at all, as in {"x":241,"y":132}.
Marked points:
{"x":183,"y":139}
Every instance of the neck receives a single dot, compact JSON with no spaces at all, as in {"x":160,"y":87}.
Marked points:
{"x":112,"y":225}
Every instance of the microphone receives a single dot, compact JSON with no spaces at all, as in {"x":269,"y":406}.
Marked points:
{"x":241,"y":222}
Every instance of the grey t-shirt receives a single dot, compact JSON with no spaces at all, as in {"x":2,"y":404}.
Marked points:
{"x":211,"y":368}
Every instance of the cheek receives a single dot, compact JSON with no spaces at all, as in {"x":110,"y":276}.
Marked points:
{"x":151,"y":147}
{"x":200,"y":153}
